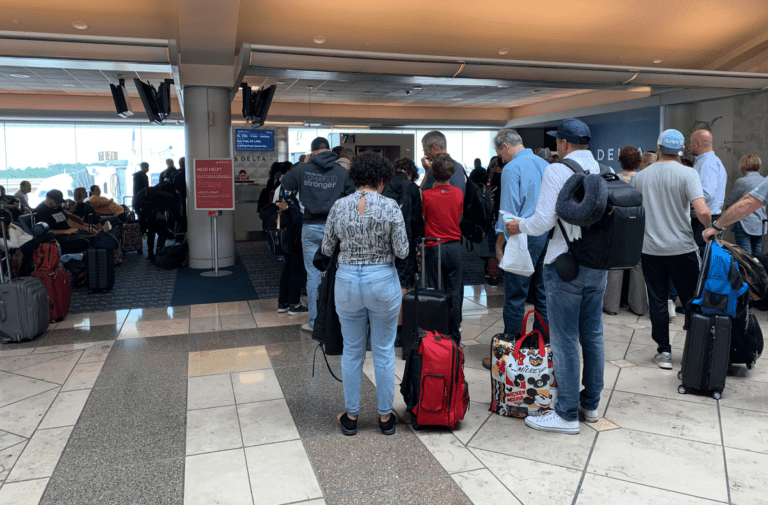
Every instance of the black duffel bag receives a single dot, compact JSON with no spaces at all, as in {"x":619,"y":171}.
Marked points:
{"x":172,"y":256}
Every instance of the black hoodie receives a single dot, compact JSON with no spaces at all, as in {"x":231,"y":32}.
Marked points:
{"x":320,"y":182}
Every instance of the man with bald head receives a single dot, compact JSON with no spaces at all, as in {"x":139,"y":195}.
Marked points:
{"x":713,"y":179}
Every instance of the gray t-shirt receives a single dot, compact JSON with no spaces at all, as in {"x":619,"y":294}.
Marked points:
{"x":668,"y":189}
{"x":753,"y":223}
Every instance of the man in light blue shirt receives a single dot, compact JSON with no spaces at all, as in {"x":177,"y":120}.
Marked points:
{"x":713,"y":179}
{"x":520,"y":187}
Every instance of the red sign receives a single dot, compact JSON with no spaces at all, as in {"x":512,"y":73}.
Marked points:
{"x":214,"y":184}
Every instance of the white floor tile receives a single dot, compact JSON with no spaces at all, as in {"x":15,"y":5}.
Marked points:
{"x":209,"y":391}
{"x":449,"y":451}
{"x":205,"y":324}
{"x":23,"y":493}
{"x":657,"y":382}
{"x":83,"y":376}
{"x":256,"y":386}
{"x":41,"y":454}
{"x":14,"y":363}
{"x":482,"y":487}
{"x":15,"y":387}
{"x":98,"y":352}
{"x":66,"y":409}
{"x":8,"y":457}
{"x":476,"y":415}
{"x":596,"y":489}
{"x":56,"y":371}
{"x":210,"y":430}
{"x":505,"y":435}
{"x":281,"y":473}
{"x":266,"y":422}
{"x":747,"y":476}
{"x":238,"y":322}
{"x":745,"y":429}
{"x":691,"y":421}
{"x":683,"y":466}
{"x":21,"y":418}
{"x":9,"y":439}
{"x":220,"y":477}
{"x":518,"y":474}
{"x":744,"y":394}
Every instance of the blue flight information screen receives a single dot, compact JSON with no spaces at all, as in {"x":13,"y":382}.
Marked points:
{"x":255,"y":140}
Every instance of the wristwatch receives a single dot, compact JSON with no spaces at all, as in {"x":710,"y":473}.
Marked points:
{"x":714,"y":225}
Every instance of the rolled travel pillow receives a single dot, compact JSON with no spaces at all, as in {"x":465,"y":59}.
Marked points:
{"x":582,"y":200}
{"x":40,"y":229}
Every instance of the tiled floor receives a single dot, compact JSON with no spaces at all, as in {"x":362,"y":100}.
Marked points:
{"x":219,"y":404}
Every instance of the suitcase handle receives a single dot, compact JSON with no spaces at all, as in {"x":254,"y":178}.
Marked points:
{"x":7,"y":262}
{"x":424,"y":241}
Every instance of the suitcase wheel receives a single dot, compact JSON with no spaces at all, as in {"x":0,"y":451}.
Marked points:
{"x":716,"y":395}
{"x":681,"y":389}
{"x":680,"y":375}
{"x":415,"y":423}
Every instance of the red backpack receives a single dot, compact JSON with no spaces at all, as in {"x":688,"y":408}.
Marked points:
{"x":46,"y":256}
{"x":434,"y":387}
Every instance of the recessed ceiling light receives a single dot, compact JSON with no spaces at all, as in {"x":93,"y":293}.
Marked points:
{"x":310,"y":87}
{"x":502,"y":86}
{"x":19,"y":76}
{"x":504,"y":51}
{"x":417,"y":87}
{"x":658,"y":60}
{"x":68,"y":85}
{"x":319,"y":39}
{"x":457,"y":99}
{"x":640,"y":89}
{"x":279,"y":82}
{"x":79,"y":25}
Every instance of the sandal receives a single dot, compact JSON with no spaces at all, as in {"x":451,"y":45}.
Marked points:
{"x":348,"y":426}
{"x":388,"y":426}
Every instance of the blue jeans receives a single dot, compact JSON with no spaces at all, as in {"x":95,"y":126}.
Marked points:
{"x":575,"y":319}
{"x":368,"y":293}
{"x":516,"y":288}
{"x":311,"y":240}
{"x":753,"y":244}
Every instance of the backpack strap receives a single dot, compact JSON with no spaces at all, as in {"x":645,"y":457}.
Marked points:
{"x":574,"y":165}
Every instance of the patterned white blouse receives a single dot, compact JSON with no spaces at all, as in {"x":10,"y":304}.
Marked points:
{"x":374,"y":238}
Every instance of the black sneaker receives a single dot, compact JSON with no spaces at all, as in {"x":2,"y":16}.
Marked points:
{"x":299,"y":309}
{"x":283,"y":307}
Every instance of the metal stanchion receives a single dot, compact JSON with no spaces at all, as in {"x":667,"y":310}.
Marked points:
{"x":216,"y":272}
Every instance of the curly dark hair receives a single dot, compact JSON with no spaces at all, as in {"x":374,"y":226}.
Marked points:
{"x":370,"y":168}
{"x":443,"y":167}
{"x":629,"y":158}
{"x":408,"y":166}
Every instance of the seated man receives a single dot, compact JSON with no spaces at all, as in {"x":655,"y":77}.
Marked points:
{"x":106,"y":208}
{"x":71,"y":240}
{"x":10,"y":204}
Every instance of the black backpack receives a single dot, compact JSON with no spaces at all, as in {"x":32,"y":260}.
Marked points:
{"x":615,"y":242}
{"x":478,"y":213}
{"x":399,"y":192}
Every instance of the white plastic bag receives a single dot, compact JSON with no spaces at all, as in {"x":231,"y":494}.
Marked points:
{"x":516,"y":259}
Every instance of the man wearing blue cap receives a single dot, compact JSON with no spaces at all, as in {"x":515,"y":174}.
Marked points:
{"x":574,"y":308}
{"x":669,"y":248}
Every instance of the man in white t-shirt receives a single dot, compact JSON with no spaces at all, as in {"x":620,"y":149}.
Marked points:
{"x":574,"y":308}
{"x":669,"y":188}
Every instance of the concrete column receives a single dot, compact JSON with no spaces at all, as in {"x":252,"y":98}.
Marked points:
{"x":207,"y":132}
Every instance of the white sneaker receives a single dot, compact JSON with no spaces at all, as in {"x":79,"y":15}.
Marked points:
{"x":590,"y":416}
{"x":553,"y":422}
{"x":664,"y":360}
{"x":671,"y":309}
{"x":306,"y":327}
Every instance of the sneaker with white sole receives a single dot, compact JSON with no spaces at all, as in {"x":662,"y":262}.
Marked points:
{"x":590,"y":416}
{"x":664,"y":360}
{"x":671,"y":309}
{"x":299,"y":309}
{"x":283,"y":307}
{"x":554,"y":423}
{"x":306,"y":327}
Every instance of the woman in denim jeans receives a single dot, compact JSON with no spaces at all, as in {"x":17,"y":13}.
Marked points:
{"x":370,"y":231}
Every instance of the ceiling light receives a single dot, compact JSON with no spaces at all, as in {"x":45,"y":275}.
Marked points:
{"x":504,"y":51}
{"x":457,"y":99}
{"x":284,"y":123}
{"x":350,"y":127}
{"x":19,"y":76}
{"x":79,"y":25}
{"x":417,"y":87}
{"x":279,"y":82}
{"x":319,"y":39}
{"x":658,"y":60}
{"x":68,"y":85}
{"x":310,"y":88}
{"x":641,"y":89}
{"x":502,"y":86}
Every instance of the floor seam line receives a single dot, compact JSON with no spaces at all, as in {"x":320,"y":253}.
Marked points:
{"x":242,"y":438}
{"x":725,"y":458}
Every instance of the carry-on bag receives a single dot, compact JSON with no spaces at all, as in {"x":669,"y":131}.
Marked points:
{"x":436,"y":308}
{"x":172,"y":256}
{"x":58,"y":284}
{"x":132,"y":239}
{"x":24,"y":302}
{"x":101,"y":270}
{"x":707,"y":343}
{"x":522,"y":372}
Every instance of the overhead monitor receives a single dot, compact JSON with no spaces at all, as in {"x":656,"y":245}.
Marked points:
{"x":157,"y":105}
{"x":256,"y":103}
{"x":121,"y":99}
{"x":254,"y":140}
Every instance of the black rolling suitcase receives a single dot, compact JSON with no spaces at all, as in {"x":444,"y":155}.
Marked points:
{"x":707,"y":347}
{"x":101,"y":270}
{"x":435,"y":307}
{"x":23,"y":306}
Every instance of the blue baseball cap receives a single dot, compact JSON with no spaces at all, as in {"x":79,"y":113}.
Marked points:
{"x":574,"y":131}
{"x":671,"y":142}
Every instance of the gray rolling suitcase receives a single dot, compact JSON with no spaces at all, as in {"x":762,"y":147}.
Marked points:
{"x":23,"y":306}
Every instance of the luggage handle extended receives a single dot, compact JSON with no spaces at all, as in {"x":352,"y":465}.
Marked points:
{"x":705,"y":265}
{"x":439,"y":241}
{"x":7,"y":258}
